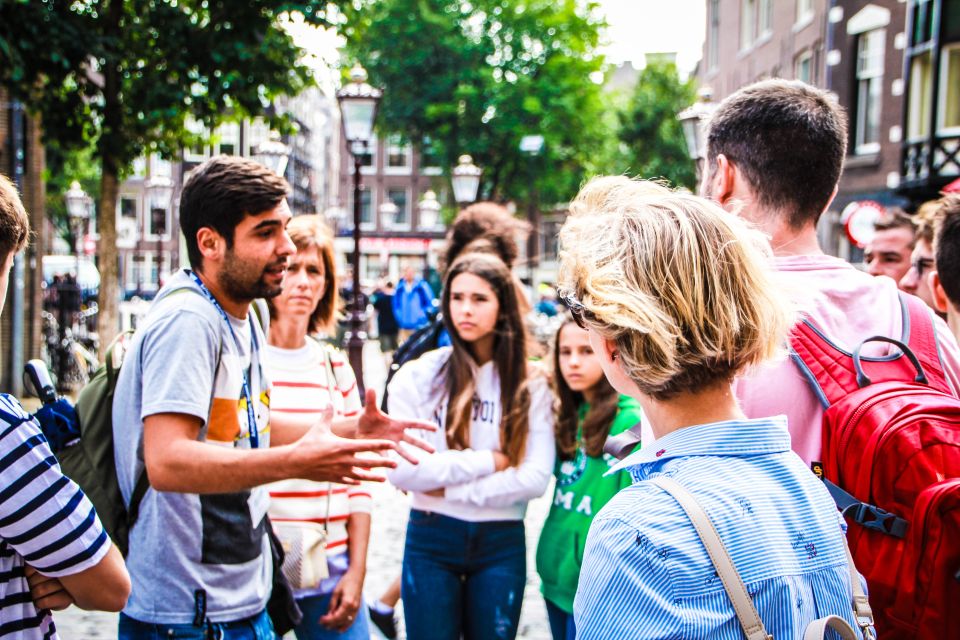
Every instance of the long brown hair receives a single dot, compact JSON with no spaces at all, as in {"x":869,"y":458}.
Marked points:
{"x":599,"y":418}
{"x":509,"y":357}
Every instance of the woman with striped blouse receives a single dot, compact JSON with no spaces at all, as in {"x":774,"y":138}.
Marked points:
{"x":307,"y":377}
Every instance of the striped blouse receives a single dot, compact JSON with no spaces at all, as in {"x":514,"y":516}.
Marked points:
{"x":647,"y":575}
{"x":300,"y":385}
{"x":45,"y":520}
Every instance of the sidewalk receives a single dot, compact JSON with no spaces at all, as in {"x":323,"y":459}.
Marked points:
{"x":390,"y":508}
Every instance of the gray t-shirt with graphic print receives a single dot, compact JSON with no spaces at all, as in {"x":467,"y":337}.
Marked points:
{"x":184,"y":360}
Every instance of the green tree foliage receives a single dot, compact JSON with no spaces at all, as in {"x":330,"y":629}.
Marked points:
{"x":475,"y":76}
{"x":124,"y":76}
{"x":650,"y":131}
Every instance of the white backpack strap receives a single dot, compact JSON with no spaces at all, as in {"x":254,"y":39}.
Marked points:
{"x":861,"y":606}
{"x":817,"y":630}
{"x":747,"y":614}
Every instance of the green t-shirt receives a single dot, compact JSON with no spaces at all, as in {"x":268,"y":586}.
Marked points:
{"x":581,"y":491}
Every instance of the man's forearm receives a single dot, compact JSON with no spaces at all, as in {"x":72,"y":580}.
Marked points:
{"x":189,"y":466}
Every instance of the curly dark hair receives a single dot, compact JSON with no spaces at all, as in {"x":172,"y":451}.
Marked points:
{"x":484,"y":227}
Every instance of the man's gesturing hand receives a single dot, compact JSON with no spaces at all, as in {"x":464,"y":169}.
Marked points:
{"x":374,"y":423}
{"x":322,"y":456}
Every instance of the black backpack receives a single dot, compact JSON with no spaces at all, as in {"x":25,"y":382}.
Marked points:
{"x":420,"y":342}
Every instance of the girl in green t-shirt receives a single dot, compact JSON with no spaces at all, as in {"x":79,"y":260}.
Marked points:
{"x":588,"y":411}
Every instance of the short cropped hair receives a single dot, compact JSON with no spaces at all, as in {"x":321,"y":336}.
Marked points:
{"x":946,"y":246}
{"x":220,"y":192}
{"x":788,"y":139}
{"x":310,"y":231}
{"x":681,"y":287}
{"x":896,"y":218}
{"x":14,"y":223}
{"x":924,"y":219}
{"x":484,"y":227}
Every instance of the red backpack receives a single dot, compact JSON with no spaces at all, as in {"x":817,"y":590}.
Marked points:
{"x":891,"y":460}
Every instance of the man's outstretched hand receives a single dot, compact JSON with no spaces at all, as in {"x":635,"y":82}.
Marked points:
{"x":375,"y":424}
{"x":324,"y":456}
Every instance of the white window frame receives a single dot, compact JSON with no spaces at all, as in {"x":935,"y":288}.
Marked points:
{"x":404,"y":226}
{"x":804,"y":57}
{"x":804,"y":15}
{"x":148,"y":234}
{"x":764,"y":19}
{"x":190,"y":155}
{"x":394,"y":147}
{"x":372,"y":148}
{"x":228,"y":133}
{"x":257,"y":131}
{"x":945,"y":90}
{"x":713,"y":35}
{"x":870,"y":94}
{"x":918,"y":107}
{"x":748,"y":23}
{"x":369,"y":225}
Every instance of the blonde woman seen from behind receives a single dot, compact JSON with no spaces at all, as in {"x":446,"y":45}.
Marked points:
{"x":678,"y":298}
{"x":308,"y":378}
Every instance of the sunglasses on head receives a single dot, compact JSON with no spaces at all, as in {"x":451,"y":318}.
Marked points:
{"x":579,"y":312}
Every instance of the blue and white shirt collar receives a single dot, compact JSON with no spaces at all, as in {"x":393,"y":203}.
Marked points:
{"x":760,"y":436}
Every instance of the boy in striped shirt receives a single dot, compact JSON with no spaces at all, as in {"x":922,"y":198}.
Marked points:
{"x":53,"y":549}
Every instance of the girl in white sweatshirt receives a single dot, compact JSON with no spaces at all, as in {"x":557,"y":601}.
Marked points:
{"x":464,"y":565}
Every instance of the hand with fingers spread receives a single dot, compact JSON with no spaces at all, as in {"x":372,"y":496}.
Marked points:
{"x":374,"y":423}
{"x":324,"y":457}
{"x":47,"y":593}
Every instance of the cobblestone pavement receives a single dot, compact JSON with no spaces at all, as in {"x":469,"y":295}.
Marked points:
{"x":383,"y":559}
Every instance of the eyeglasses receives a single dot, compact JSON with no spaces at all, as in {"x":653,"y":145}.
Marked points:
{"x":921,"y":265}
{"x":579,"y":312}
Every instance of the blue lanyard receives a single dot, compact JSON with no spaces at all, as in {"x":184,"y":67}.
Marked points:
{"x":251,"y":415}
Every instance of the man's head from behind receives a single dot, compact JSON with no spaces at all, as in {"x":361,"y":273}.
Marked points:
{"x":234,"y":212}
{"x":888,"y":253}
{"x":14,"y":231}
{"x":787,"y":141}
{"x":484,"y":227}
{"x":945,"y":281}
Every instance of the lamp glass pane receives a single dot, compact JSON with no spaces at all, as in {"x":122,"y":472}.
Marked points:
{"x":358,"y":118}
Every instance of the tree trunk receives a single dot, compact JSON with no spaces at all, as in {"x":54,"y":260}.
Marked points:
{"x":108,"y":321}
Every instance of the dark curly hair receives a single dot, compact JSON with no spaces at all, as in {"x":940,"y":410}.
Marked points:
{"x":484,"y":227}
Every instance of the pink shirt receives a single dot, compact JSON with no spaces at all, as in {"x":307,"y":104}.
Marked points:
{"x":849,"y":306}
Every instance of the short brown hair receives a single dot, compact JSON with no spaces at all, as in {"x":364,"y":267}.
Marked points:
{"x":309,"y":231}
{"x":14,"y":223}
{"x":946,"y":246}
{"x":484,"y":227}
{"x":896,"y":218}
{"x":789,"y":140}
{"x":220,"y":192}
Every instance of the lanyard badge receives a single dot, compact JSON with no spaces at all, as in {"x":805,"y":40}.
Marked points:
{"x":251,"y":415}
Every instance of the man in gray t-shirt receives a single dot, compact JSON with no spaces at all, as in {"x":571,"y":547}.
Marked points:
{"x":191,"y":409}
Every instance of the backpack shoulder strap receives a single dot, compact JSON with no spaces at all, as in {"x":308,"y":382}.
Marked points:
{"x":747,"y":614}
{"x":920,"y":334}
{"x":828,"y":369}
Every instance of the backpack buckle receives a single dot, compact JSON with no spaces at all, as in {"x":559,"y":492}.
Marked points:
{"x":877,"y":519}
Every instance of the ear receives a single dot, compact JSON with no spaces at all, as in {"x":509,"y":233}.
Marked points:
{"x":940,"y":300}
{"x":212,"y":245}
{"x":724,"y":180}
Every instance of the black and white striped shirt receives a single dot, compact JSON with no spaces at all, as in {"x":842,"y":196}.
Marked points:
{"x":45,"y":521}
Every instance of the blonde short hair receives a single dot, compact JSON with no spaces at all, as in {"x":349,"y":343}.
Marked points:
{"x":682,"y":287}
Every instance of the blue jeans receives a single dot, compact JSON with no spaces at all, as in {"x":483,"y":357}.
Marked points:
{"x":462,"y":578}
{"x":314,"y":607}
{"x":258,"y":627}
{"x":561,"y":622}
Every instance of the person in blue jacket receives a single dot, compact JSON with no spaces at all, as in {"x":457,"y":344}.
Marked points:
{"x":413,"y":303}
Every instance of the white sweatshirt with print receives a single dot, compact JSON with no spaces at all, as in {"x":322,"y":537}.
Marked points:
{"x":474,"y":491}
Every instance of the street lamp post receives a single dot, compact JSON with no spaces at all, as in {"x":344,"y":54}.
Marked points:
{"x":466,"y":180}
{"x":273,"y":154}
{"x":693,"y":120}
{"x":358,"y":108}
{"x":429,"y":211}
{"x":69,"y":294}
{"x":159,"y":192}
{"x":532,"y":146}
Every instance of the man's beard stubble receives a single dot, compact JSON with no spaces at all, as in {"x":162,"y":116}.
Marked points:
{"x":243,"y":281}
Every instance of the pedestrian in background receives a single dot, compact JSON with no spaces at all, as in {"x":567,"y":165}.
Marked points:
{"x":464,"y":564}
{"x":307,"y":378}
{"x":387,"y":327}
{"x":412,"y":302}
{"x":588,"y":410}
{"x":678,"y":298}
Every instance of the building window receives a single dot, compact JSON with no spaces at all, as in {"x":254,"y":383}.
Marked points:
{"x":922,"y":22}
{"x":228,"y":135}
{"x":158,"y":221}
{"x":713,"y":35}
{"x":398,"y":155}
{"x":198,"y":152}
{"x":430,"y":161}
{"x":804,"y":10}
{"x":748,"y":23}
{"x":128,"y":207}
{"x":921,"y":86}
{"x":870,"y":50}
{"x":366,"y":208}
{"x":949,"y":111}
{"x":369,"y":160}
{"x":803,"y":67}
{"x":765,"y":19}
{"x":398,"y":195}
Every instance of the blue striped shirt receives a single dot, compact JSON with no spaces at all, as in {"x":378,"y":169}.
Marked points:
{"x":45,"y":521}
{"x":647,"y":575}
